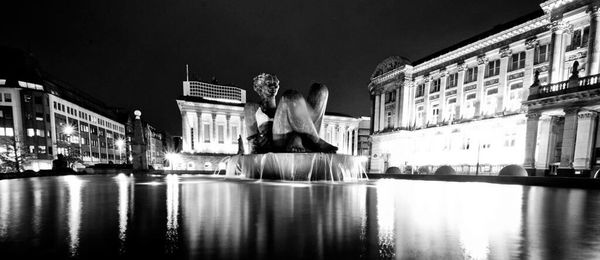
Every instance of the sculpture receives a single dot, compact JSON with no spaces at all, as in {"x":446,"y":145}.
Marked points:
{"x":293,"y":125}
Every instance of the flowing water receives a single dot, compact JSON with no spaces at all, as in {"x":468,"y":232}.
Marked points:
{"x":208,"y":217}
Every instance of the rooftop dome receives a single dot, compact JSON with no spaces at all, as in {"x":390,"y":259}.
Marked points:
{"x":390,"y":64}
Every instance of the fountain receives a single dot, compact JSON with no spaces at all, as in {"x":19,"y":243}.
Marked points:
{"x":284,"y":141}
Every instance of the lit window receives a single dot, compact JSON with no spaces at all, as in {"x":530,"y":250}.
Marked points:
{"x":541,"y":54}
{"x":492,"y":68}
{"x":435,"y":86}
{"x":30,"y":132}
{"x":469,"y":105}
{"x":420,"y":90}
{"x":206,"y":133}
{"x":579,"y":38}
{"x":471,"y":75}
{"x":452,"y":80}
{"x":435,"y":113}
{"x":9,"y":131}
{"x":517,"y":61}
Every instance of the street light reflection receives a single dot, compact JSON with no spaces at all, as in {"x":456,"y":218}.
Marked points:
{"x":172,"y":212}
{"x":74,"y":187}
{"x":123,"y":183}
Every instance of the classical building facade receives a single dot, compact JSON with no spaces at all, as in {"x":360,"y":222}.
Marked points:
{"x":212,"y":118}
{"x":44,"y":117}
{"x":478,"y":105}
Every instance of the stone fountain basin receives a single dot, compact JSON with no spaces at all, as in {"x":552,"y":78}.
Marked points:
{"x":298,"y":166}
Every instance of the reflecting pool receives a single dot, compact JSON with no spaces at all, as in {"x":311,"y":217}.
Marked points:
{"x":126,"y":216}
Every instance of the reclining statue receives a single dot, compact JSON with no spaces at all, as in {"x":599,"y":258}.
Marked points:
{"x":293,"y":125}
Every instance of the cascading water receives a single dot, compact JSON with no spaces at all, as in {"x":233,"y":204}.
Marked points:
{"x":297,"y":166}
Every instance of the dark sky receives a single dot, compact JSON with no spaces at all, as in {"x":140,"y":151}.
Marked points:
{"x":133,"y":53}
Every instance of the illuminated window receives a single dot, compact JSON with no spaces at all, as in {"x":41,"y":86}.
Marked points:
{"x":435,"y":86}
{"x":517,"y":61}
{"x":420,"y":115}
{"x":491,"y":101}
{"x":40,"y":132}
{"x":435,"y":113}
{"x":471,"y":75}
{"x":221,"y":133}
{"x":30,"y":132}
{"x":469,"y":105}
{"x":492,"y":68}
{"x":206,"y":133}
{"x":420,"y":90}
{"x":450,"y":110}
{"x":541,"y":54}
{"x":515,"y":96}
{"x":452,"y":80}
{"x":234,"y":134}
{"x":579,"y":38}
{"x":390,"y":96}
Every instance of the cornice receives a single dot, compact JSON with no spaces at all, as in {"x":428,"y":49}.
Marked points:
{"x":550,"y":5}
{"x":541,"y":21}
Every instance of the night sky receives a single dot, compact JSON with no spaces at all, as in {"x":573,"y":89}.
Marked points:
{"x":132,"y":54}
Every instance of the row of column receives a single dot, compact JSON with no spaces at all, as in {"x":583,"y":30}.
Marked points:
{"x":577,"y":141}
{"x":194,"y":131}
{"x":345,"y":138}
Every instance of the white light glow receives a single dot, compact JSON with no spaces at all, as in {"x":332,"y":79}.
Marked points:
{"x":74,"y":186}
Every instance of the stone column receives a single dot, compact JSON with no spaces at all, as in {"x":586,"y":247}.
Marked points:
{"x":355,"y":141}
{"x":459,"y":90}
{"x":530,"y":141}
{"x":382,"y":112}
{"x":227,"y":133}
{"x":404,"y":113}
{"x":481,"y":61}
{"x":503,"y":89}
{"x":213,"y":128}
{"x":594,"y":63}
{"x":185,"y":132}
{"x":442,"y":99}
{"x":376,"y":114}
{"x":542,"y":149}
{"x":568,"y":139}
{"x":530,"y":45}
{"x":556,"y":71}
{"x":397,"y":108}
{"x":584,"y":142}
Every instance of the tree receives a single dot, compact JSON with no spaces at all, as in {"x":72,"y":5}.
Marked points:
{"x":72,"y":152}
{"x":14,"y":153}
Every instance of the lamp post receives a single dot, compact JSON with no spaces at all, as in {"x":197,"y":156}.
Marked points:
{"x":172,"y":158}
{"x":120,"y":143}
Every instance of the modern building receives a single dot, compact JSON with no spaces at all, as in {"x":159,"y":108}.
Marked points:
{"x":212,"y":118}
{"x":44,"y":117}
{"x":477,"y":106}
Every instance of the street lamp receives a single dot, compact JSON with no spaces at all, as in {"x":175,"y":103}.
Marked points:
{"x":120,"y":143}
{"x":172,"y":158}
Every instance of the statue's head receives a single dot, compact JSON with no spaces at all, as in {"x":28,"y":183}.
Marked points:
{"x":266,"y":85}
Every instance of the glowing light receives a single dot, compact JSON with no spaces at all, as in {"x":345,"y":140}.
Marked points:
{"x":172,"y":211}
{"x":4,"y":208}
{"x":120,"y":143}
{"x":74,"y":185}
{"x":68,"y":129}
{"x":123,"y":184}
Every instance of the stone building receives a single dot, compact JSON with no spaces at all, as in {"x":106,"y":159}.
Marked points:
{"x":212,"y":118}
{"x":477,"y":106}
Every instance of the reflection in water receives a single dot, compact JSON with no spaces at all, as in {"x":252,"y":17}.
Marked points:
{"x":225,"y":218}
{"x":124,"y":183}
{"x":74,"y":186}
{"x":172,"y":212}
{"x":4,"y":208}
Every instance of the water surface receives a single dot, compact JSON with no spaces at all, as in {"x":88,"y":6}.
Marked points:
{"x":123,"y":216}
